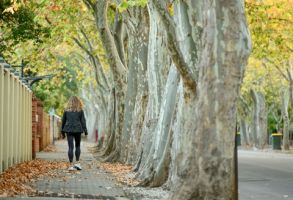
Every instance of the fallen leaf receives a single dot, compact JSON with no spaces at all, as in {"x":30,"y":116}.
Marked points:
{"x":50,"y":148}
{"x":15,"y":180}
{"x":122,"y":173}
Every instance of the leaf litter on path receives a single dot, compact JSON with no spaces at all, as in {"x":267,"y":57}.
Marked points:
{"x":50,"y":148}
{"x":16,"y":179}
{"x":121,"y":172}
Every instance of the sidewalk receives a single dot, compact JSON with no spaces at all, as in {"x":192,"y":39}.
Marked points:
{"x":89,"y":183}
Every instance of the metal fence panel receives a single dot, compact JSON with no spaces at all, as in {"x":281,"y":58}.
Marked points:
{"x":15,"y":119}
{"x":1,"y":118}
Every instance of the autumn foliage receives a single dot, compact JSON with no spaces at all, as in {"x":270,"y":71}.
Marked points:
{"x":16,"y":180}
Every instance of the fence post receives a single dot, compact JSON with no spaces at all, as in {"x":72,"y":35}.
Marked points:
{"x":5,"y":120}
{"x":17,"y":119}
{"x":27,"y":125}
{"x":22,"y":123}
{"x":11,"y":120}
{"x":25,"y":122}
{"x":30,"y":124}
{"x":1,"y":116}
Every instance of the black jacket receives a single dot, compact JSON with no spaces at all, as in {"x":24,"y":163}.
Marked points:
{"x":73,"y":122}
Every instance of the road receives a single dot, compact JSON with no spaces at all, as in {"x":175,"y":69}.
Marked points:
{"x":265,"y":175}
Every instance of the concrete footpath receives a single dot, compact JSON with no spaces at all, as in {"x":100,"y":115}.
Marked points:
{"x":88,"y":183}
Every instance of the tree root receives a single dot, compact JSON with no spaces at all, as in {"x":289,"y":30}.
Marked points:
{"x":112,"y":157}
{"x":136,"y":167}
{"x":147,"y":181}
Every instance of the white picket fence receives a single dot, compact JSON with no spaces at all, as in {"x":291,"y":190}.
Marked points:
{"x":15,"y":118}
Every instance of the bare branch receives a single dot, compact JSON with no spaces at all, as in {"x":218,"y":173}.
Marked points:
{"x":103,"y":74}
{"x":87,"y":39}
{"x":95,"y":62}
{"x":81,"y":46}
{"x":95,"y":59}
{"x":48,"y":20}
{"x":278,"y":68}
{"x":281,"y":19}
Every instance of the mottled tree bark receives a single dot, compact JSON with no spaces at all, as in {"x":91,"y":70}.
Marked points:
{"x":244,"y":133}
{"x":116,"y":61}
{"x":244,"y":113}
{"x":209,"y":108}
{"x":129,"y":67}
{"x":138,"y":28}
{"x":157,"y":70}
{"x":208,"y":43}
{"x":155,"y":172}
{"x":286,"y":121}
{"x":139,"y":111}
{"x":290,"y":80}
{"x":259,"y":120}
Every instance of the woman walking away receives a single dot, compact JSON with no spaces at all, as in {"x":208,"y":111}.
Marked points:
{"x":73,"y":124}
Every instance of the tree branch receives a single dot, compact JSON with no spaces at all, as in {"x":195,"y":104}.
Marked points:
{"x":173,"y":45}
{"x":94,"y":62}
{"x":96,"y":59}
{"x":106,"y":80}
{"x":109,"y":42}
{"x":81,"y":46}
{"x":89,"y":4}
{"x":278,"y":68}
{"x":245,"y":105}
{"x":281,"y":19}
{"x":87,"y":39}
{"x":117,"y":31}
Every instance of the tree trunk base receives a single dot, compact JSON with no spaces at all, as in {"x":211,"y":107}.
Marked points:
{"x":147,"y":181}
{"x":112,"y":157}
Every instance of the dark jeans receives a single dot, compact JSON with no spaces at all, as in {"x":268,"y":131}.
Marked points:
{"x":76,"y":137}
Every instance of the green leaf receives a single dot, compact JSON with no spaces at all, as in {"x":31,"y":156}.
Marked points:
{"x":123,"y":6}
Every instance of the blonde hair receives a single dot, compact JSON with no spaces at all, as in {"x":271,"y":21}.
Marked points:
{"x":73,"y":104}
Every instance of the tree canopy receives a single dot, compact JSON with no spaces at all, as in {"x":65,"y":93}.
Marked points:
{"x":43,"y":32}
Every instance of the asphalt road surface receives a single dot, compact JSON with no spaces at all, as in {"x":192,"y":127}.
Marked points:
{"x":265,"y":175}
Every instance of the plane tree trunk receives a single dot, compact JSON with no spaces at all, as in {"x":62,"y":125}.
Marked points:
{"x":259,"y":130}
{"x":209,"y":104}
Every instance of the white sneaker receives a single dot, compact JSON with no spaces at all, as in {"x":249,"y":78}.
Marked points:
{"x":71,"y":168}
{"x":77,"y":166}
